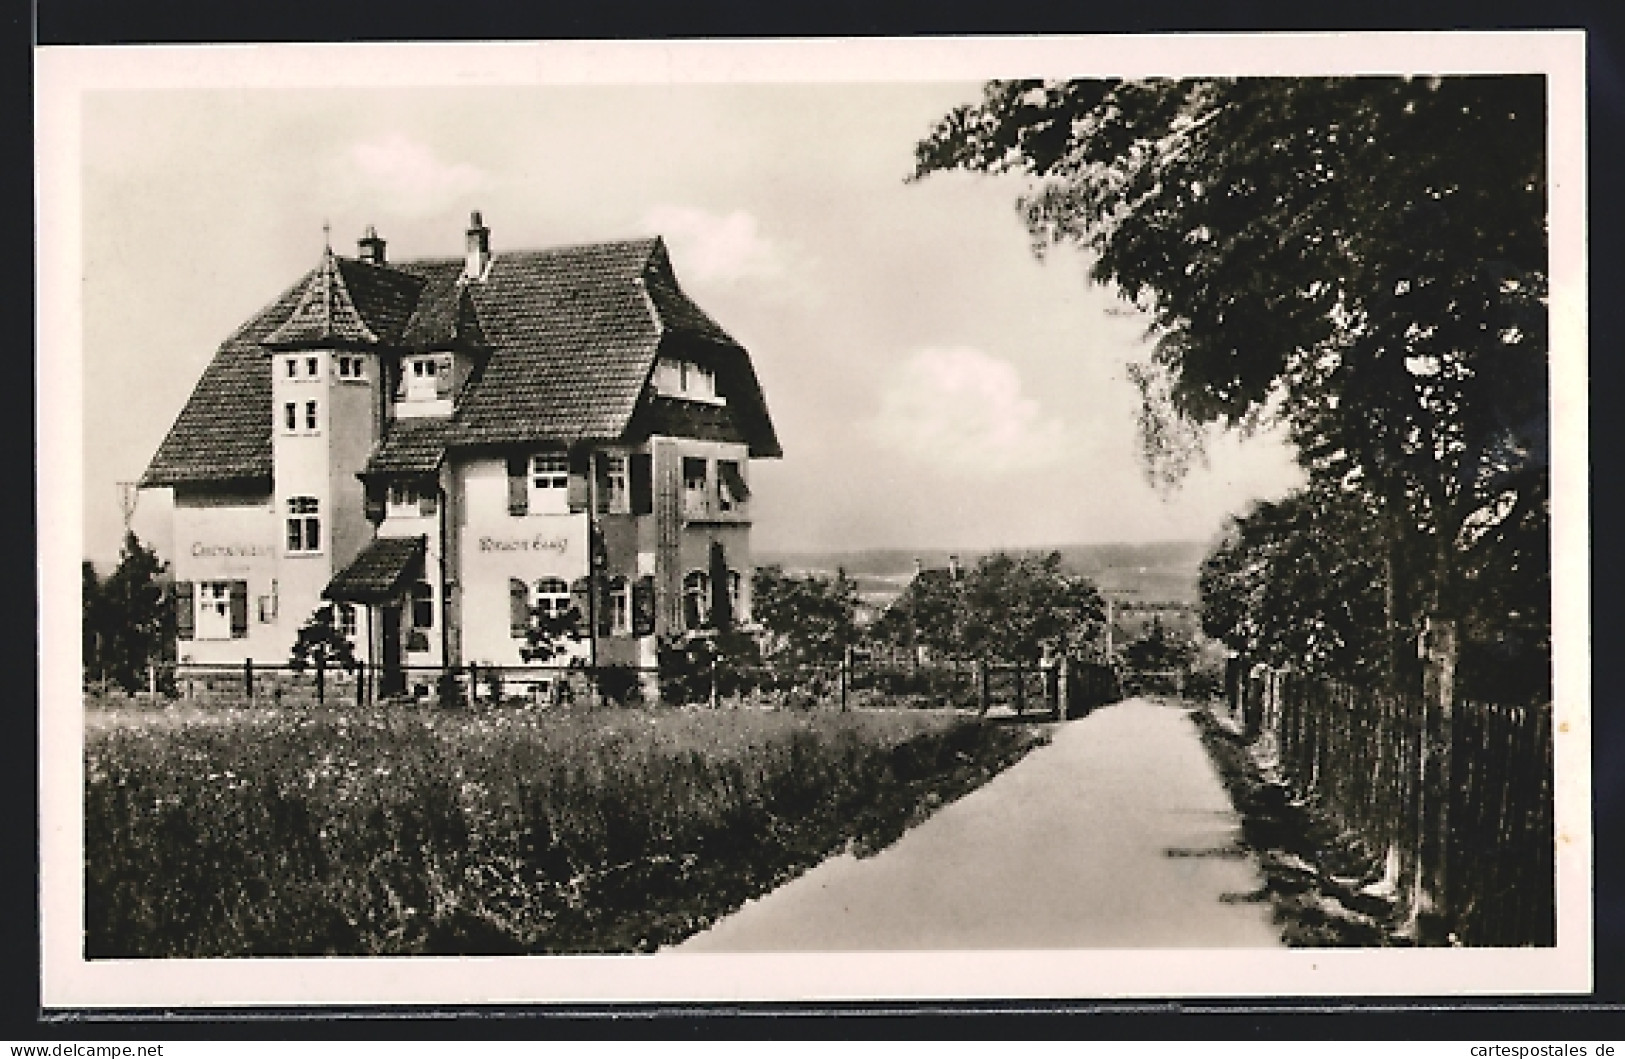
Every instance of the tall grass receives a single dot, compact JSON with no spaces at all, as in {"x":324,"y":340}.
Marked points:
{"x":408,"y":831}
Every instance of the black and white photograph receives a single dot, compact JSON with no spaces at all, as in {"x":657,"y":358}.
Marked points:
{"x":814,"y":520}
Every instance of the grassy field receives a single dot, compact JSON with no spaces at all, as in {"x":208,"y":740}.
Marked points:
{"x":414,"y":831}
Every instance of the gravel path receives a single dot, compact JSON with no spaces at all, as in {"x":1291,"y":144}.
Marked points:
{"x":1118,"y":834}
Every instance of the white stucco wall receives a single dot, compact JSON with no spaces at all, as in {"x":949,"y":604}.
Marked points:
{"x":495,"y":546}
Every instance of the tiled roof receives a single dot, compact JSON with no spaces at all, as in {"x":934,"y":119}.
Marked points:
{"x":572,"y":334}
{"x":379,"y":574}
{"x":224,"y":429}
{"x":412,"y":446}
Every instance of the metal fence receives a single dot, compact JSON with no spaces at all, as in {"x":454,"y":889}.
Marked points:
{"x":1457,"y":803}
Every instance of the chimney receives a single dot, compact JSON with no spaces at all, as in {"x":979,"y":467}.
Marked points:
{"x":370,"y":248}
{"x":919,"y":567}
{"x":479,"y":247}
{"x":953,"y":567}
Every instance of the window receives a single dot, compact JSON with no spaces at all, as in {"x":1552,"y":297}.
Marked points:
{"x":620,"y":607}
{"x":311,"y":366}
{"x":347,"y":621}
{"x":310,"y":415}
{"x":214,"y":610}
{"x":425,"y":378}
{"x":695,"y":485}
{"x":613,"y":497}
{"x":549,"y":483}
{"x":731,"y":489}
{"x":422,"y":605}
{"x":735,"y":595}
{"x":552,"y":597}
{"x":293,"y":367}
{"x":686,"y":379}
{"x":696,"y":599}
{"x":290,"y":416}
{"x":304,"y":525}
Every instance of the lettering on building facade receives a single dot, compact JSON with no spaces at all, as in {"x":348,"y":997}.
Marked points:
{"x":557,"y":545}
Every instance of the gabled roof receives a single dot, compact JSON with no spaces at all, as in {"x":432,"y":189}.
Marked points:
{"x":569,"y":335}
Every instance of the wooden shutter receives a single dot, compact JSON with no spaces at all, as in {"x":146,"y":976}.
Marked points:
{"x":640,"y":480}
{"x":518,"y":608}
{"x":643,"y":606}
{"x":581,"y":598}
{"x":580,"y":471}
{"x":606,"y":622}
{"x":442,"y":379}
{"x":185,"y":610}
{"x":239,"y":609}
{"x":518,"y":488}
{"x":426,"y":500}
{"x":721,"y":605}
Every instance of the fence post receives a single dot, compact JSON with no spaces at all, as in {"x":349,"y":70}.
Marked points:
{"x":714,"y":681}
{"x":846,"y":675}
{"x":321,"y":679}
{"x":360,"y":685}
{"x":248,"y":679}
{"x":984,"y":692}
{"x":1063,"y":690}
{"x":1021,"y":690}
{"x":152,"y":681}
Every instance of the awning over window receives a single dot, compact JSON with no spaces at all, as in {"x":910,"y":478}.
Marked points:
{"x":380,"y":573}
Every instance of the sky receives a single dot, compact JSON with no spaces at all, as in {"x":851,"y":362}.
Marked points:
{"x":934,"y":383}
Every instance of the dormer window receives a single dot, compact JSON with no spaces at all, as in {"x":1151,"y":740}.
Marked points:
{"x":425,"y":378}
{"x":686,"y":379}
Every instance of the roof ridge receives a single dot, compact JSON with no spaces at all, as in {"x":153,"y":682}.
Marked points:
{"x":650,"y":240}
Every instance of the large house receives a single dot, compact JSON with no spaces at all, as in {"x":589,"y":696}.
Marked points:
{"x":449,"y":448}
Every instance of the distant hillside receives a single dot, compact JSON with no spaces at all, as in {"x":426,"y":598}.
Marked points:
{"x":1156,"y":571}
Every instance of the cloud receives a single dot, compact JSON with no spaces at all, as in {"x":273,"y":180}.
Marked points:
{"x":403,"y":175}
{"x":706,"y":247}
{"x":964,"y":411}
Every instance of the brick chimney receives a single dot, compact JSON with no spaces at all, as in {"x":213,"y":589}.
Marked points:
{"x":479,"y":248}
{"x":370,"y":248}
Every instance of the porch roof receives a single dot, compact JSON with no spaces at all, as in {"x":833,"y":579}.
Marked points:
{"x":380,"y":573}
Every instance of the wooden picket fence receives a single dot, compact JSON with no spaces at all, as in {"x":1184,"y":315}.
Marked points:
{"x":1458,"y":807}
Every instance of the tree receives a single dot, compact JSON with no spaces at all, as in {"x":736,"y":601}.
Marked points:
{"x":1006,"y":608}
{"x":1360,"y":259}
{"x":321,"y":644}
{"x":1157,"y":650}
{"x":1299,"y":583}
{"x":128,"y":627}
{"x":808,"y":619}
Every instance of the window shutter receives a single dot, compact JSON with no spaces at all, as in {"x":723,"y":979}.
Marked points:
{"x":581,"y":598}
{"x":721,"y":603}
{"x":518,"y":608}
{"x":606,"y":623}
{"x":239,"y":609}
{"x":640,"y":481}
{"x":580,"y":470}
{"x":518,"y":490}
{"x":643,"y":606}
{"x":426,"y":502}
{"x":185,"y":610}
{"x":442,"y":380}
{"x":600,"y":466}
